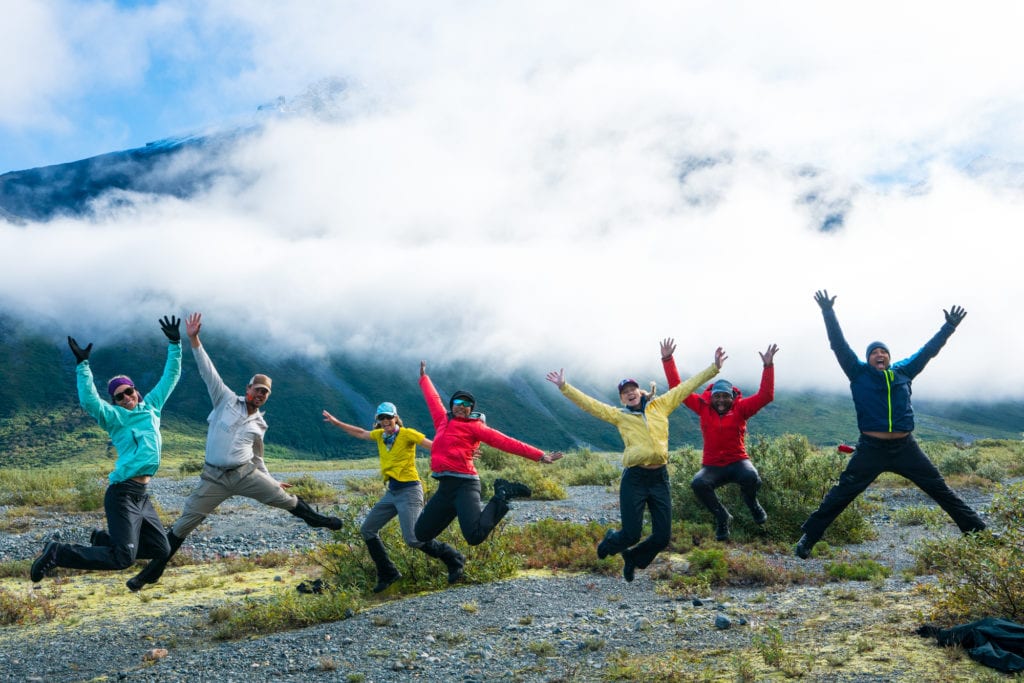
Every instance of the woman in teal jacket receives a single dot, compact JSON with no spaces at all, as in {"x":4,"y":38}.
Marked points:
{"x":133,"y":422}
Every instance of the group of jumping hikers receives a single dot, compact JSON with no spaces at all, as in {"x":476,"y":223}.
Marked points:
{"x":234,"y":463}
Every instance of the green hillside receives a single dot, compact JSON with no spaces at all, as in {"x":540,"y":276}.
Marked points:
{"x":40,"y":420}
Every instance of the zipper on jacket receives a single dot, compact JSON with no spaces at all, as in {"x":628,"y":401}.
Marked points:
{"x":889,"y":376}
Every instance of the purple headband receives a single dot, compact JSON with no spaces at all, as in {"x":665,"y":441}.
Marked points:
{"x":117,"y":382}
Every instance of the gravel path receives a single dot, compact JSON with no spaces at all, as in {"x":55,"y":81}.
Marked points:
{"x":562,"y":627}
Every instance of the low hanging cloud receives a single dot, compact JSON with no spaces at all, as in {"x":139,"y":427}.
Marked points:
{"x":564,"y":188}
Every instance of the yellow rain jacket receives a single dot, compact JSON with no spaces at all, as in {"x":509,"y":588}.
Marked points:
{"x":645,"y":434}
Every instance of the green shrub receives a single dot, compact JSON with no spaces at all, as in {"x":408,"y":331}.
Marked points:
{"x":795,"y":478}
{"x":287,"y":609}
{"x":187,"y":467}
{"x":312,"y":490}
{"x":952,"y":458}
{"x":561,"y":545}
{"x":980,"y":574}
{"x":60,"y":488}
{"x":583,"y":468}
{"x":861,"y":569}
{"x":920,"y":515}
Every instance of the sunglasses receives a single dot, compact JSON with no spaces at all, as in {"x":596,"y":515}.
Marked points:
{"x":461,"y":402}
{"x":381,"y":418}
{"x":127,"y":392}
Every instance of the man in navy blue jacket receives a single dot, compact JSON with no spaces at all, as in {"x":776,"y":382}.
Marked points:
{"x":881,"y":394}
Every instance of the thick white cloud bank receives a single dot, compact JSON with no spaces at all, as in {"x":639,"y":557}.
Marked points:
{"x":528,"y":185}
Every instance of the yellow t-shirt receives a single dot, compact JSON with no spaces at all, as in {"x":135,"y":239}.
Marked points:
{"x":398,"y":463}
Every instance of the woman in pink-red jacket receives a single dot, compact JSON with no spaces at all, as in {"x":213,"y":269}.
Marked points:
{"x":457,"y":435}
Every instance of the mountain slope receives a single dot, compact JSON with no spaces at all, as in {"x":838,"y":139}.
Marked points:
{"x":38,"y":407}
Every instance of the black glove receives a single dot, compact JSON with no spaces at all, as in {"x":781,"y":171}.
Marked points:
{"x":821,"y":296}
{"x":80,"y":353}
{"x":170,"y":326}
{"x":954,"y":315}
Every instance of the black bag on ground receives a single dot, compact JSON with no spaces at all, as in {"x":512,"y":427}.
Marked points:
{"x":996,"y":643}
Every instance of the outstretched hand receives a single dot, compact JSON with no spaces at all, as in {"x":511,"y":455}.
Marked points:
{"x":954,"y":315}
{"x":769,"y":356}
{"x":549,"y":458}
{"x":720,"y":357}
{"x":557,"y":377}
{"x":193,"y":323}
{"x":823,"y":300}
{"x":423,"y":368}
{"x":668,"y":347}
{"x":171,"y":326}
{"x":81,"y":354}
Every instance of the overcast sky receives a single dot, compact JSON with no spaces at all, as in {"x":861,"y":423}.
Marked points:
{"x":549,"y":184}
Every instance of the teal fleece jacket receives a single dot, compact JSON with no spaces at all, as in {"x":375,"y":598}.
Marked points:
{"x":134,"y":433}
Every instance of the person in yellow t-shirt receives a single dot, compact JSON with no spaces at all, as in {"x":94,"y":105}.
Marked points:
{"x":396,"y":445}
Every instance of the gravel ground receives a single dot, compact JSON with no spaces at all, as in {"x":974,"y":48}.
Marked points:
{"x":562,"y":627}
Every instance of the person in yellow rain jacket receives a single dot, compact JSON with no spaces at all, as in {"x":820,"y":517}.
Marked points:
{"x":643,"y":426}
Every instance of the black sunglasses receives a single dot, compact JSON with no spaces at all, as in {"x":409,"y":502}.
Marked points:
{"x":127,"y":392}
{"x":381,"y":418}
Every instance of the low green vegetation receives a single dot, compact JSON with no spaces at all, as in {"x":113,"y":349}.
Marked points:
{"x":64,"y":488}
{"x":861,"y":569}
{"x":980,"y":573}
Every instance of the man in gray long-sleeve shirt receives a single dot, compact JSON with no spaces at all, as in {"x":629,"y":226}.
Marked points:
{"x":234,"y":458}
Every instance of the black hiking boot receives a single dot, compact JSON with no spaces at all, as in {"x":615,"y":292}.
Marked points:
{"x":722,"y":519}
{"x":387,"y":572}
{"x":602,"y":547}
{"x":507,"y":490}
{"x":804,"y":547}
{"x":152,"y":572}
{"x":45,"y":562}
{"x":313,"y":518}
{"x":628,"y":567}
{"x":452,"y":558}
{"x":759,"y":514}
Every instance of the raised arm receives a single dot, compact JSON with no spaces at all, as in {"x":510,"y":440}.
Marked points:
{"x":601,"y":411}
{"x":351,"y":430}
{"x":848,"y":360}
{"x":668,"y":362}
{"x":438,"y":414}
{"x":915,"y":364}
{"x":215,"y":386}
{"x":172,"y":368}
{"x":766,"y":393}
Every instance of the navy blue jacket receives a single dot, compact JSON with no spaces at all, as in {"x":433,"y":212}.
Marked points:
{"x":882,"y":398}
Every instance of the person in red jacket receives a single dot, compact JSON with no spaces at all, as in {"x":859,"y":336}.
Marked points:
{"x":457,"y":435}
{"x":723,"y":415}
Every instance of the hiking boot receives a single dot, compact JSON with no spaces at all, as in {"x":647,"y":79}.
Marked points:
{"x":383,"y":581}
{"x":602,"y":548}
{"x":313,"y":518}
{"x":759,"y":514}
{"x":722,"y":520}
{"x":804,"y":547}
{"x":45,"y":562}
{"x":387,"y":572}
{"x":628,"y":568}
{"x":507,"y":490}
{"x":455,"y":561}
